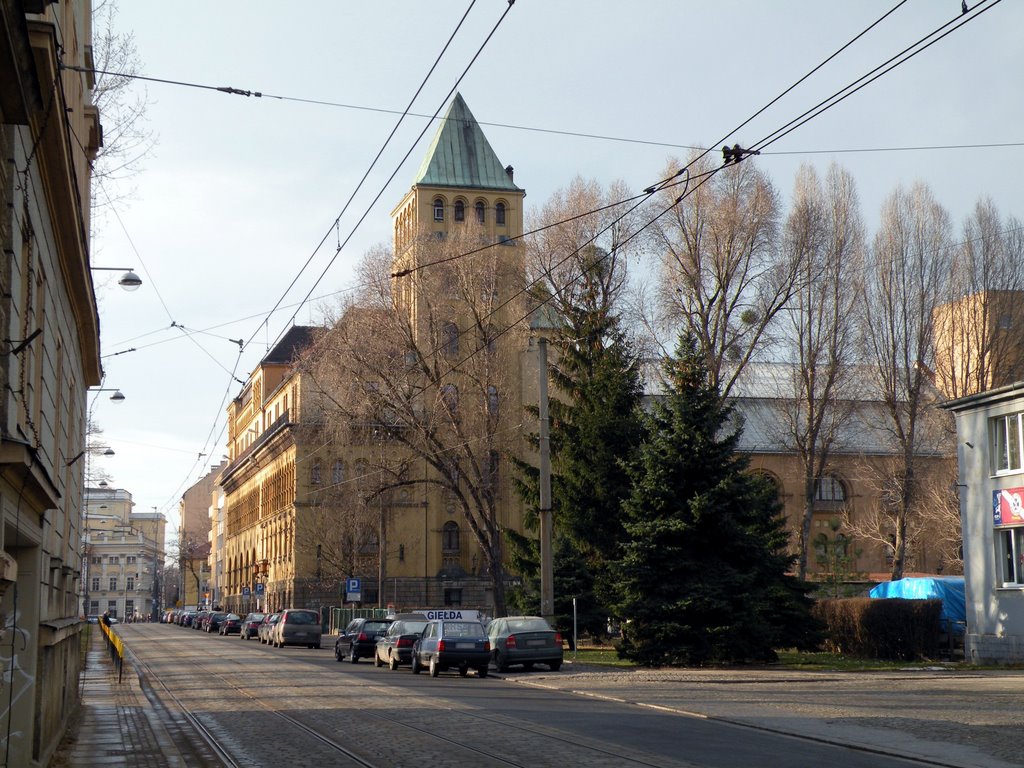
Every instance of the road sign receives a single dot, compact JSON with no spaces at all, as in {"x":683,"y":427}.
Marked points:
{"x":353,"y":590}
{"x":260,"y":588}
{"x":246,"y":592}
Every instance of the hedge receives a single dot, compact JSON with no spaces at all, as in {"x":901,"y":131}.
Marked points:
{"x":890,"y":628}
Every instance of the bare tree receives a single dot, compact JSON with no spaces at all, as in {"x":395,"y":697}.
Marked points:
{"x":977,"y":328}
{"x":424,"y":369}
{"x":723,"y":276}
{"x":824,"y":240}
{"x":122,"y":104}
{"x":190,"y":552}
{"x":907,"y":278}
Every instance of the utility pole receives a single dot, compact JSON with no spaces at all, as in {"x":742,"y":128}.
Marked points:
{"x":547,"y":583}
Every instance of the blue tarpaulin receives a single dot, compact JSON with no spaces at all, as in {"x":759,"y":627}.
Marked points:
{"x":948,"y":589}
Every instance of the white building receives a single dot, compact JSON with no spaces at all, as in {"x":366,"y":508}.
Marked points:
{"x":990,"y":431}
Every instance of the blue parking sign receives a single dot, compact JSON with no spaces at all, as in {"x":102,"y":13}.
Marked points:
{"x":259,"y":589}
{"x":353,"y":585}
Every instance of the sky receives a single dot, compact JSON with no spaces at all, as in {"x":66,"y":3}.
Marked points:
{"x":239,"y":193}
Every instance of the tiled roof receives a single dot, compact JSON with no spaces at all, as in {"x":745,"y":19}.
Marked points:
{"x":460,"y":155}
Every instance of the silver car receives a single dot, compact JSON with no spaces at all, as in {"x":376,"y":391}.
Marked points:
{"x":297,"y":626}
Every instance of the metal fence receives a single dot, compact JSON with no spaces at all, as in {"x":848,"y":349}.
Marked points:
{"x":340,"y":617}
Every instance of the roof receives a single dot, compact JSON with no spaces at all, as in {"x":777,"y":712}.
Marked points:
{"x":461,"y":156}
{"x":294,"y":341}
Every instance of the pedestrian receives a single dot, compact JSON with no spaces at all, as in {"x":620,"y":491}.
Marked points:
{"x":106,"y":618}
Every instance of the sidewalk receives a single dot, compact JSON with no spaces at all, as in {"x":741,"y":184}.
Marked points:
{"x":117,"y":725}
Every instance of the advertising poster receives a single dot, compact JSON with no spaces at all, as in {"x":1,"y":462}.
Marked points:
{"x":1008,"y":506}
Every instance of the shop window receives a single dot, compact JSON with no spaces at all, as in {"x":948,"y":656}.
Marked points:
{"x":1010,"y":556}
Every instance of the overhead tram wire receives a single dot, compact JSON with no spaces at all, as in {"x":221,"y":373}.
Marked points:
{"x":707,"y":177}
{"x":401,"y":162}
{"x":668,"y":181}
{"x":882,"y":69}
{"x":336,"y":223}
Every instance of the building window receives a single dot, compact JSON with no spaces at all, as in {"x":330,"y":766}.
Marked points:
{"x":450,"y":537}
{"x":829,"y":489}
{"x":130,"y":559}
{"x":131,"y":583}
{"x":129,"y":608}
{"x":112,"y":560}
{"x":450,"y":339}
{"x":113,"y":583}
{"x":460,"y":210}
{"x":95,"y":559}
{"x":450,"y":398}
{"x":453,"y":598}
{"x":439,"y":209}
{"x":112,"y":608}
{"x":479,"y":211}
{"x":94,"y":607}
{"x":1006,"y":443}
{"x":1010,"y":556}
{"x":338,"y":473}
{"x":95,"y":586}
{"x":492,"y":400}
{"x":499,"y":214}
{"x":314,"y":474}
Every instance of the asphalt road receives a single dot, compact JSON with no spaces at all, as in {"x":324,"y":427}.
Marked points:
{"x":297,"y":706}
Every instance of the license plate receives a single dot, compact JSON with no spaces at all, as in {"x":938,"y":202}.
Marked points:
{"x":536,"y":642}
{"x":465,"y":646}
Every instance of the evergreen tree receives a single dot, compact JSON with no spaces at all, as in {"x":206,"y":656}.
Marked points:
{"x":703,"y":575}
{"x":596,"y":423}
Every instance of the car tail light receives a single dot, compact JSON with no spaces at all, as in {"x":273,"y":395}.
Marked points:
{"x":362,"y":637}
{"x":440,"y":646}
{"x":558,"y":638}
{"x":487,"y":645}
{"x":510,"y":641}
{"x":405,"y":642}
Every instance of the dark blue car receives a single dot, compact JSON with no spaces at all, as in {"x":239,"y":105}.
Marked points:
{"x":447,"y":644}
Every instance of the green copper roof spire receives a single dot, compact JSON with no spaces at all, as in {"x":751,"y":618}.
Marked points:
{"x":460,"y":156}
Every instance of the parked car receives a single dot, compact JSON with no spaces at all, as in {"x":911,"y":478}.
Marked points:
{"x":188,"y":618}
{"x":213,"y":620}
{"x":525,"y":640}
{"x":395,"y":647}
{"x":231,"y":625}
{"x":251,"y":625}
{"x":445,"y":644}
{"x":266,"y":626}
{"x":358,"y":640}
{"x":297,"y":626}
{"x":199,"y":619}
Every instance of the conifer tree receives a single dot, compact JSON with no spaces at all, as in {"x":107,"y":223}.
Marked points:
{"x":703,"y":575}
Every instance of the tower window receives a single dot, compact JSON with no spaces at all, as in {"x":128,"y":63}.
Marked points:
{"x":479,"y":212}
{"x":439,"y":209}
{"x":460,"y":210}
{"x":499,"y":214}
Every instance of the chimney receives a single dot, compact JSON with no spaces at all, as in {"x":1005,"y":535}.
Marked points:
{"x":510,"y":171}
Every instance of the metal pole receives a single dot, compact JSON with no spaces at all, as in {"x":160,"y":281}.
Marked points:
{"x":575,"y":637}
{"x":547,"y":584}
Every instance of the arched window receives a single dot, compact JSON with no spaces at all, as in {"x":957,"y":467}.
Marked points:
{"x":450,"y":398}
{"x":338,"y":473}
{"x":314,"y":474}
{"x":450,"y":339}
{"x":491,"y":339}
{"x":479,"y":211}
{"x":450,"y":537}
{"x":499,"y":214}
{"x":829,"y":489}
{"x":460,"y":210}
{"x":438,"y":209}
{"x":492,"y":400}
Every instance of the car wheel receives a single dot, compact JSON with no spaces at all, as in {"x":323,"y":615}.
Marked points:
{"x":352,"y":654}
{"x":416,"y":668}
{"x":481,"y":672}
{"x":376,"y":660}
{"x":554,"y":666}
{"x":337,"y":653}
{"x":463,"y":671}
{"x":393,"y":662}
{"x":313,"y":645}
{"x":527,"y":665}
{"x":500,"y":662}
{"x":434,"y":671}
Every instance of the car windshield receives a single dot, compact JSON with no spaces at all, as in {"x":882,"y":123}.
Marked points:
{"x":410,"y":628}
{"x":528,"y":625}
{"x":463,"y":629}
{"x":302,"y":617}
{"x":255,"y":616}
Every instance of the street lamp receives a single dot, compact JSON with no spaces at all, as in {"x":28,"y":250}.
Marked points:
{"x":129,"y":280}
{"x":117,"y":397}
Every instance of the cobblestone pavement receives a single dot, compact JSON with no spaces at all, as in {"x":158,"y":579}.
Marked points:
{"x":966,"y":717}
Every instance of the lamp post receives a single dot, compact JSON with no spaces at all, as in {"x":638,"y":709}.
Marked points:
{"x":117,"y":397}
